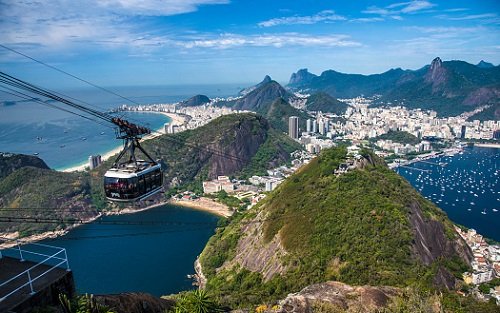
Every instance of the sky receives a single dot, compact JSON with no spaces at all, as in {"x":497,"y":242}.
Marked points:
{"x":177,"y":42}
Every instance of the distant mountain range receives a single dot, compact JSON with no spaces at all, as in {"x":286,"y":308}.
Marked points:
{"x":450,"y":87}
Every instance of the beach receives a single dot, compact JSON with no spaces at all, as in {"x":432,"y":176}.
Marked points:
{"x":204,"y":204}
{"x":176,"y":120}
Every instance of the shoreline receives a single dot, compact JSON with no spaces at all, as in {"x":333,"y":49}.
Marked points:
{"x":202,"y":204}
{"x":176,"y":119}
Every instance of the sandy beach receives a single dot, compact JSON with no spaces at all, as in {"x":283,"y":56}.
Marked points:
{"x":176,"y":120}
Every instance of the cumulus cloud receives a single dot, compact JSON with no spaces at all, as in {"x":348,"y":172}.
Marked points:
{"x":323,"y":16}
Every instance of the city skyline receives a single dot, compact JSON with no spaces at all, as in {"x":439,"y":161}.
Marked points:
{"x":157,"y":42}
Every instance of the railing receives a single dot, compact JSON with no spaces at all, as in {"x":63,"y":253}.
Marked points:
{"x":60,"y":258}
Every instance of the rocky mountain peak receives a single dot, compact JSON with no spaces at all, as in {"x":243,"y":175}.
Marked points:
{"x":266,"y":80}
{"x":436,"y":63}
{"x":301,"y":77}
{"x":436,"y":75}
{"x":484,"y":64}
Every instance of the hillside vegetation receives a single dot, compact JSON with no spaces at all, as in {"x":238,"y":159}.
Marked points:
{"x":402,"y":137}
{"x":368,"y":226}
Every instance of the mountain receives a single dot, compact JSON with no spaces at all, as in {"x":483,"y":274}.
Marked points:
{"x":261,"y":97}
{"x":449,"y":87}
{"x":483,"y":64}
{"x":368,"y":226}
{"x":245,"y":91}
{"x":195,"y":101}
{"x":272,"y":101}
{"x":46,"y":194}
{"x":301,"y":77}
{"x":322,"y":101}
{"x":237,"y":144}
{"x":340,"y":85}
{"x":9,"y":162}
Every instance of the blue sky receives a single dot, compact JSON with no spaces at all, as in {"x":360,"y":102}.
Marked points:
{"x":169,"y":42}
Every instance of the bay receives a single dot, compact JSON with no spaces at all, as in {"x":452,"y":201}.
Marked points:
{"x":465,"y":186}
{"x":155,"y":258}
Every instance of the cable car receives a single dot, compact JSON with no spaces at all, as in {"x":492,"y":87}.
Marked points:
{"x":132,"y":180}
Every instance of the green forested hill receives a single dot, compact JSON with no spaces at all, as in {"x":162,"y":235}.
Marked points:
{"x":367,"y":226}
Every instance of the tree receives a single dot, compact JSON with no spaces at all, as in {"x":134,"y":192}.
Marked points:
{"x":197,"y":301}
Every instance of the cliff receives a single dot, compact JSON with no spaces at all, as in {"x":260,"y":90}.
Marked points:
{"x":364,"y":227}
{"x":229,"y":145}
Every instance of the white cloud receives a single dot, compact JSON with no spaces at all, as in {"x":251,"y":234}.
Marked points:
{"x":396,"y":9}
{"x":60,"y":24}
{"x":469,"y":17}
{"x":156,"y":7}
{"x":226,"y":41}
{"x":323,"y":16}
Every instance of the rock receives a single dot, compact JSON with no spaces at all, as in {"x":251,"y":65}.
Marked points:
{"x":337,"y":295}
{"x":135,"y":303}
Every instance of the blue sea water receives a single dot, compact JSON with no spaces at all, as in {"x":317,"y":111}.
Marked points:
{"x":63,"y":140}
{"x":156,"y":259}
{"x":465,"y":186}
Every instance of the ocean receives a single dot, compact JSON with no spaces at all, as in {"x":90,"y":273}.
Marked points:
{"x":64,"y":140}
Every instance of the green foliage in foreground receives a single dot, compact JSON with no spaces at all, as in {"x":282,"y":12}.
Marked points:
{"x":197,"y":301}
{"x":352,"y":228}
{"x":402,"y":137}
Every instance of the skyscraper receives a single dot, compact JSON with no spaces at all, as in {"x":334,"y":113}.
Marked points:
{"x":293,"y":127}
{"x":309,"y":125}
{"x":463,"y":131}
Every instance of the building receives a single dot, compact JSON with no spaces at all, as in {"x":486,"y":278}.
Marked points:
{"x":309,"y":125}
{"x":94,"y":161}
{"x":463,"y":130}
{"x":322,"y":127}
{"x":214,"y":186}
{"x":496,"y":134}
{"x":314,"y":126}
{"x":293,"y":127}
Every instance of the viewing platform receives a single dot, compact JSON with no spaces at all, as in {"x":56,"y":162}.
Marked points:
{"x":33,"y":275}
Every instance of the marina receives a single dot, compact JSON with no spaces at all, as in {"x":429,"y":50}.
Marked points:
{"x":465,"y":185}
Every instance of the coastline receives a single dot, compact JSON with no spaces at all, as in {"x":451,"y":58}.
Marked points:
{"x":202,"y":204}
{"x":176,"y":119}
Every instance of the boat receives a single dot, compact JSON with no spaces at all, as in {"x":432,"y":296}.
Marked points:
{"x":484,"y":212}
{"x":495,"y":210}
{"x":36,"y":153}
